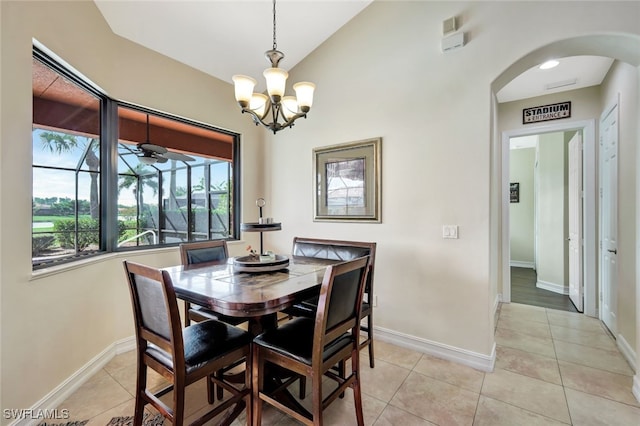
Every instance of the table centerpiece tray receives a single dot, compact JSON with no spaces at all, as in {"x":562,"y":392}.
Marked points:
{"x":255,"y":264}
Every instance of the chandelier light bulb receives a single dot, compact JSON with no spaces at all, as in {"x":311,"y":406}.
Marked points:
{"x":243,"y":89}
{"x":304,"y":94}
{"x":276,"y":83}
{"x":258,"y":104}
{"x":289,"y":107}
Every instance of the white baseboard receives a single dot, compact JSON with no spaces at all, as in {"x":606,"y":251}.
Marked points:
{"x":461,"y":356}
{"x":636,"y":387}
{"x":556,"y":288}
{"x":521,"y":264}
{"x":496,"y":303}
{"x":627,"y":352}
{"x":61,"y":392}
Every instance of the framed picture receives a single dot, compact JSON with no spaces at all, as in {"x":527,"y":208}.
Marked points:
{"x":514,"y":192}
{"x":347,"y":182}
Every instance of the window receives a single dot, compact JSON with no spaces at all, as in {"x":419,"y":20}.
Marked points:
{"x":172,"y":196}
{"x":174,"y":180}
{"x":66,"y":166}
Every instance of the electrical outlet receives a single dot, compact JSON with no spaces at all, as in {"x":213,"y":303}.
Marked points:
{"x":375,"y":300}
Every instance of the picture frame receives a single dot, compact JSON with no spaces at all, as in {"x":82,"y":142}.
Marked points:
{"x":347,"y":182}
{"x":514,"y":192}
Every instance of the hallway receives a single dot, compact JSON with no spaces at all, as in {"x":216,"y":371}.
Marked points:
{"x":524,"y":290}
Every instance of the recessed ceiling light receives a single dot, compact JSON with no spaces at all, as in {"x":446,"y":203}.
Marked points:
{"x":549,"y":64}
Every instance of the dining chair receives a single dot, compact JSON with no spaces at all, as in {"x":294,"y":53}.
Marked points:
{"x":312,"y":346}
{"x":182,"y":356}
{"x":339,"y":250}
{"x":204,"y":252}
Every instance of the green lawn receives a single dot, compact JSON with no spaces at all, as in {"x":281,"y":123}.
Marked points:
{"x":51,"y":219}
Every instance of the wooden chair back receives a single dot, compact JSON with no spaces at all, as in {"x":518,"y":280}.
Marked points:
{"x":339,"y":304}
{"x":203,"y":252}
{"x":155,"y":307}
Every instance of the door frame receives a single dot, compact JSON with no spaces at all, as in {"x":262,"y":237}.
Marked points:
{"x":589,"y":225}
{"x":615,"y":105}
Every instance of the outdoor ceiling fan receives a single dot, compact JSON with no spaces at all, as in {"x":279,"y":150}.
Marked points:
{"x":149,"y":153}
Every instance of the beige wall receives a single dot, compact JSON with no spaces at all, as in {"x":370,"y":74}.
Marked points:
{"x":433,"y":112}
{"x":54,"y":325}
{"x":382,"y":75}
{"x":521,"y":214}
{"x":621,"y":86}
{"x":551,"y":262}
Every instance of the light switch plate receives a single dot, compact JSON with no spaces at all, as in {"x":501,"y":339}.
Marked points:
{"x":450,"y":231}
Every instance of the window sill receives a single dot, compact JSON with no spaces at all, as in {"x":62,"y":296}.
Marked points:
{"x":59,"y":269}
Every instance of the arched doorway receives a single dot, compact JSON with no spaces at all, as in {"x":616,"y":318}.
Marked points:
{"x":623,"y":48}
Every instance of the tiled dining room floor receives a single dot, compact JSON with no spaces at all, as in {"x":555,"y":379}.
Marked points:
{"x":552,"y":367}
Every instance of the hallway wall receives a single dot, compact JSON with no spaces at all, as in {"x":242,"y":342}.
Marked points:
{"x":522,"y":237}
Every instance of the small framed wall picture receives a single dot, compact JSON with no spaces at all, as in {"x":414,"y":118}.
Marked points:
{"x":514,"y":192}
{"x":347,"y":182}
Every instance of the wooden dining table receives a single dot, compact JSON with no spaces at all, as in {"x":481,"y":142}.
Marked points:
{"x":219,"y":286}
{"x":258,"y":297}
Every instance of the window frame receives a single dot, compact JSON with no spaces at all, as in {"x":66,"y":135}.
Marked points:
{"x":108,"y":180}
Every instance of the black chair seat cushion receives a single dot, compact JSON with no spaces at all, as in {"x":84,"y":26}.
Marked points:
{"x":295,"y":339}
{"x":204,"y":342}
{"x":205,"y":313}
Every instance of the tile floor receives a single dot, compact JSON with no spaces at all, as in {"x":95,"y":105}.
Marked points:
{"x":552,"y":368}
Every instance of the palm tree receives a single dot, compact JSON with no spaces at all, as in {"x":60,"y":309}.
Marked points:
{"x":60,"y":143}
{"x":134,"y":179}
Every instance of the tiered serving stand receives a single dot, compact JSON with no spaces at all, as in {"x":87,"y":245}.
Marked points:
{"x":261,"y":262}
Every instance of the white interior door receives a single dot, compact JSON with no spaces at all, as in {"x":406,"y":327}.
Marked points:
{"x":609,"y":218}
{"x":576,"y":288}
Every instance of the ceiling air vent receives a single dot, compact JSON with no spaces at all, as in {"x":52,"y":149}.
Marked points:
{"x":559,"y":84}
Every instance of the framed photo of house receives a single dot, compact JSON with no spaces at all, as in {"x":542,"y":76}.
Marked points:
{"x":347,"y":182}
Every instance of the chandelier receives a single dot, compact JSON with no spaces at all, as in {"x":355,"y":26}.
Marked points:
{"x":269,"y":110}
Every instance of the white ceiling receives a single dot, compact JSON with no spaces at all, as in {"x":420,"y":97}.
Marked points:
{"x":574,"y":72}
{"x":227,"y":37}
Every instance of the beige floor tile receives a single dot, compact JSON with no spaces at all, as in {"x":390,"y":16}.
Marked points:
{"x":436,"y":401}
{"x":393,"y":416}
{"x":521,"y":309}
{"x":531,"y":328}
{"x":528,"y":364}
{"x":450,"y":372}
{"x":598,"y":382}
{"x":597,"y":339}
{"x":125,"y":409}
{"x":343,"y":412}
{"x":492,"y":412}
{"x":524,"y":312}
{"x":99,"y":394}
{"x":383,"y":381}
{"x":609,"y":360}
{"x":270,"y":417}
{"x":392,"y":354}
{"x":124,"y":360}
{"x":524,"y":342}
{"x":574,"y":320}
{"x":528,"y":393}
{"x":593,"y":411}
{"x":126,"y":376}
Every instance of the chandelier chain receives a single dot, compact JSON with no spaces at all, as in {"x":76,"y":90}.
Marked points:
{"x":275,"y":45}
